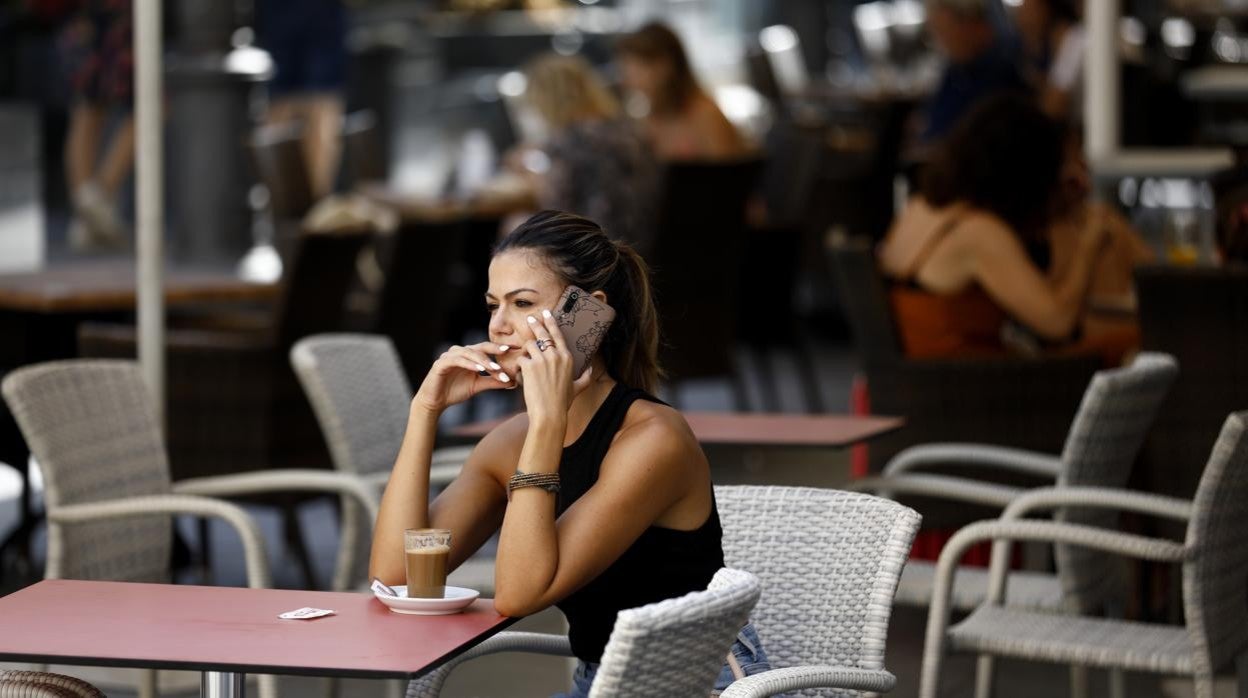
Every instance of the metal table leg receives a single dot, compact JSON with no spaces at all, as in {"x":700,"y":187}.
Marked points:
{"x":221,"y":684}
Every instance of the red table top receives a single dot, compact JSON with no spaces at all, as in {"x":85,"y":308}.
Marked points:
{"x":166,"y":626}
{"x":733,"y":428}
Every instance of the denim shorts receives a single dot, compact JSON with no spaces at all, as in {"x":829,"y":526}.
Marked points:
{"x":748,"y":651}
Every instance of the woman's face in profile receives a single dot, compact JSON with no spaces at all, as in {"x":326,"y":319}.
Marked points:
{"x":521,"y":284}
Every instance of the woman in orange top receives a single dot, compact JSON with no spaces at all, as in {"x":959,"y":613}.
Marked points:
{"x":959,"y":252}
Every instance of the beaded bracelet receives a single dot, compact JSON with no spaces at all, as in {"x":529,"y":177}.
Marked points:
{"x":546,"y":481}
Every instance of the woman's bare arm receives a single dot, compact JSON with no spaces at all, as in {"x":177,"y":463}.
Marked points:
{"x":649,"y":468}
{"x":471,"y":507}
{"x":1001,"y":266}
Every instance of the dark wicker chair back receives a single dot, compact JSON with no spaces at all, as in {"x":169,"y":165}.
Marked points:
{"x":1200,"y":316}
{"x":419,"y":291}
{"x":697,"y":250}
{"x":864,"y":299}
{"x":277,"y":154}
{"x":363,"y":154}
{"x":315,"y":287}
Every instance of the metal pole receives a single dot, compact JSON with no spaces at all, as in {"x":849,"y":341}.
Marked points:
{"x":221,"y":684}
{"x":149,"y":206}
{"x":1102,"y":95}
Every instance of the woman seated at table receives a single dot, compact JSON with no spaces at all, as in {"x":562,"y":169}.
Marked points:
{"x":967,"y":283}
{"x":681,"y":120}
{"x":630,"y":518}
{"x":595,"y":162}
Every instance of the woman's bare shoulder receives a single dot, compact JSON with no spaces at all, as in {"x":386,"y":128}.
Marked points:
{"x":656,"y":425}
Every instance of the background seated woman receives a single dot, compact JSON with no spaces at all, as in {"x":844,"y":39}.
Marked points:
{"x":633,"y":520}
{"x":963,"y":251}
{"x":681,"y":120}
{"x":594,"y":162}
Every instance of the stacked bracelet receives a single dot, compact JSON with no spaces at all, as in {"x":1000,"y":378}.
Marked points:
{"x":546,"y":481}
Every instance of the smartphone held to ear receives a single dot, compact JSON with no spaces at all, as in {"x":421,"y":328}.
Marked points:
{"x":584,"y":321}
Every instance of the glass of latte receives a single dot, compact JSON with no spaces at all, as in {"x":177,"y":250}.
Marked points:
{"x":427,"y":551}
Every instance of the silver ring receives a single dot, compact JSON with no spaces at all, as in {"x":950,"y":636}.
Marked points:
{"x":542,"y":344}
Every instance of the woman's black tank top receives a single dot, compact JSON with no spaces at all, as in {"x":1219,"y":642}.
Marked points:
{"x":663,"y":563}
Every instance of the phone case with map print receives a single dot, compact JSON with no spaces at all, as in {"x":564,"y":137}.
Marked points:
{"x":584,"y":321}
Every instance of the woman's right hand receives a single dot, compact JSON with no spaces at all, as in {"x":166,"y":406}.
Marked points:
{"x":456,"y":376}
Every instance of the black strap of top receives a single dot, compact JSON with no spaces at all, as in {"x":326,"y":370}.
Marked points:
{"x":929,"y":247}
{"x":582,"y":460}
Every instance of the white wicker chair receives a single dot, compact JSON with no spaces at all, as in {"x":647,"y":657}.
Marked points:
{"x":361,"y":398}
{"x":40,"y":684}
{"x":676,"y":647}
{"x":1104,"y":439}
{"x":833,"y":559}
{"x":829,"y":562}
{"x":110,"y":504}
{"x":1215,"y":576}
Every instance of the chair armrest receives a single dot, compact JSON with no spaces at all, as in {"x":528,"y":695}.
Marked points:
{"x":253,"y":544}
{"x":775,"y":681}
{"x":939,"y":486}
{"x":1131,"y":545}
{"x":264,"y":481}
{"x":1098,"y":497}
{"x":980,"y":455}
{"x":1083,"y":497}
{"x":430,"y":685}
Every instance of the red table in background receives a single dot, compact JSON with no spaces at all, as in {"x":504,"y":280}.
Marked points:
{"x":226,"y":632}
{"x":749,"y":429}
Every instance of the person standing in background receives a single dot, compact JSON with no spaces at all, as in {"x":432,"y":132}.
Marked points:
{"x":682,"y":121}
{"x":1054,"y":41}
{"x":97,"y":50}
{"x":979,"y":64}
{"x":307,"y":40}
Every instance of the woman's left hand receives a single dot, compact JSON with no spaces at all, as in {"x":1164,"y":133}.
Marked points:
{"x":547,"y":368}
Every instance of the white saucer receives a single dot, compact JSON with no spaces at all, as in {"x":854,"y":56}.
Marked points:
{"x":455,"y":600}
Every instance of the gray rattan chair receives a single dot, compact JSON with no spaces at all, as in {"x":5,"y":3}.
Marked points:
{"x":92,"y":427}
{"x":671,"y":648}
{"x":40,"y":684}
{"x":676,"y":647}
{"x":853,"y":545}
{"x":1215,"y":576}
{"x":829,"y":562}
{"x":1104,"y":439}
{"x":361,"y":397}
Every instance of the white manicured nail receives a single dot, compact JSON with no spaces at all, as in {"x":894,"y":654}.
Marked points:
{"x":503,"y":377}
{"x":479,"y":367}
{"x":503,"y":347}
{"x":494,"y":366}
{"x":545,"y":313}
{"x":532,"y":320}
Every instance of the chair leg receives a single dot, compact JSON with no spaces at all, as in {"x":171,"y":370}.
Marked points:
{"x":761,"y":362}
{"x":1078,"y":682}
{"x":740,"y":397}
{"x":1241,"y":675}
{"x":205,"y":551}
{"x":984,"y":668}
{"x":293,"y":533}
{"x":804,"y":356}
{"x":147,"y":684}
{"x":1117,"y":683}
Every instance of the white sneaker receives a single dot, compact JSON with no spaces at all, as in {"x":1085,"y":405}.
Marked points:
{"x":103,"y":229}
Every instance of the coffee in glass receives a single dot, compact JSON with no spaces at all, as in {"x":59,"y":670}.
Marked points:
{"x":427,"y":550}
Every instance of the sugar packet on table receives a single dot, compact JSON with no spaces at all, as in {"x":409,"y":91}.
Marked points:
{"x":305,"y":613}
{"x":382,"y":588}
